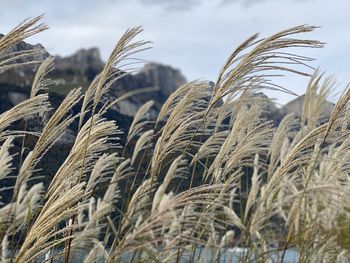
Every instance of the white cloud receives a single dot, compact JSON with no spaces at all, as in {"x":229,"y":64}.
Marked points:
{"x":171,"y":5}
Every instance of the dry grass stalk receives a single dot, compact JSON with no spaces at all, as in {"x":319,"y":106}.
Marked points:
{"x":261,"y":178}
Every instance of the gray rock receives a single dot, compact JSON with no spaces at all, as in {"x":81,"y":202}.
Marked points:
{"x":296,"y":106}
{"x":165,"y":77}
{"x":81,"y":61}
{"x":22,"y":46}
{"x":83,"y":66}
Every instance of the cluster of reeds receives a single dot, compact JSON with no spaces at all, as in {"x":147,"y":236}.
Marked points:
{"x":208,"y":175}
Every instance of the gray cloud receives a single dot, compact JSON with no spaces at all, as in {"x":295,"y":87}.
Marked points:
{"x":181,"y":5}
{"x":171,"y":5}
{"x":245,"y":2}
{"x":250,"y":3}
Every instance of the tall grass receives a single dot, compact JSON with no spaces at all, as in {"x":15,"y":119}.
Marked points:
{"x":209,"y":174}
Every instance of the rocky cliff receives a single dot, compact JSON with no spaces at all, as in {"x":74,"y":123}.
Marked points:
{"x":296,"y":106}
{"x":82,"y":67}
{"x":79,"y":69}
{"x":71,"y":72}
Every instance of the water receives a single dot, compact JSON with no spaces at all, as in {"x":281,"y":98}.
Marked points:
{"x":238,"y":255}
{"x":235,"y":255}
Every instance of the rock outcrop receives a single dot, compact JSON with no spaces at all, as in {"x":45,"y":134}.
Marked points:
{"x":165,"y":78}
{"x":270,"y":111}
{"x":79,"y":69}
{"x":71,"y":72}
{"x":15,"y":83}
{"x":296,"y":106}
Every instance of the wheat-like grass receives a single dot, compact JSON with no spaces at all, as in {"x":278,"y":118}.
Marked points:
{"x":25,"y":109}
{"x":27,"y":28}
{"x":213,"y":172}
{"x":41,"y":82}
{"x":137,"y":124}
{"x":6,"y":158}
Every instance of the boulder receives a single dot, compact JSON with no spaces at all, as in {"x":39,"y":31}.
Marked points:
{"x":296,"y":106}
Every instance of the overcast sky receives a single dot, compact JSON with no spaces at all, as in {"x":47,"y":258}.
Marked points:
{"x":195,"y":36}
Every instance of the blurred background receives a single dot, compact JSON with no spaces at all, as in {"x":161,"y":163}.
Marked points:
{"x":195,"y":36}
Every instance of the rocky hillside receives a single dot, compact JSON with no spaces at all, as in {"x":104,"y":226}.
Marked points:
{"x":79,"y":69}
{"x":82,"y":67}
{"x":296,"y":106}
{"x":75,"y":71}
